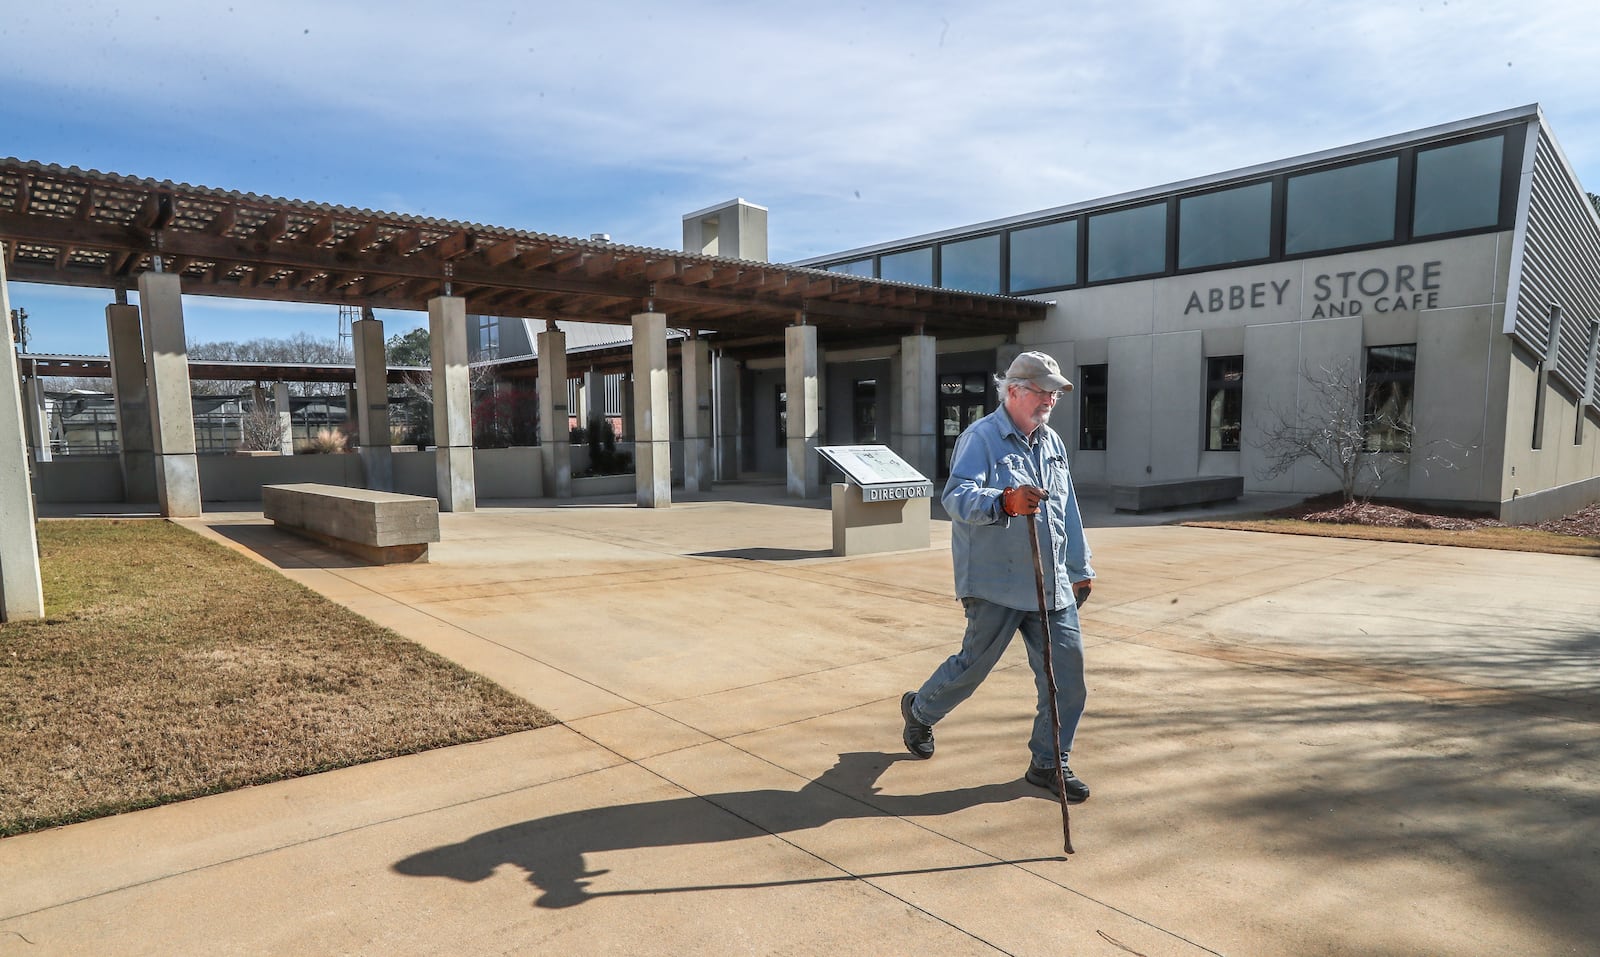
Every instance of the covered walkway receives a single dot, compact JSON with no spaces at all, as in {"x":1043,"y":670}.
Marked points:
{"x":68,"y":226}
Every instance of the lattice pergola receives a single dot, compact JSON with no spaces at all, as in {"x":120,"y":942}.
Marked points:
{"x":68,"y":226}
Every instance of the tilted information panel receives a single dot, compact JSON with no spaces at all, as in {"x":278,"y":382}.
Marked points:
{"x":882,"y":475}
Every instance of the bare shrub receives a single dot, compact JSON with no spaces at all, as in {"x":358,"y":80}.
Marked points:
{"x":325,"y":442}
{"x":260,"y":430}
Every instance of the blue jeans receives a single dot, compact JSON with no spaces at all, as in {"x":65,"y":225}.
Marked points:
{"x":989,"y":630}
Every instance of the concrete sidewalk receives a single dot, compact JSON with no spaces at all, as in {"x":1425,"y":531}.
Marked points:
{"x":1296,"y":745}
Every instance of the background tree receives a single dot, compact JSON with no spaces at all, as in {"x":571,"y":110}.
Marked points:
{"x":1594,"y":200}
{"x":413,"y":348}
{"x":1362,"y":438}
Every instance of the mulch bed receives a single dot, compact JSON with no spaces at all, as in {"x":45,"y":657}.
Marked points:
{"x":1330,"y":509}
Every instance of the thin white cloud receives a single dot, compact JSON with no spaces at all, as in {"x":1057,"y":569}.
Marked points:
{"x":855,"y":123}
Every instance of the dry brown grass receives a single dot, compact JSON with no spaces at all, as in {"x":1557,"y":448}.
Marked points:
{"x":169,"y":667}
{"x":1509,"y":539}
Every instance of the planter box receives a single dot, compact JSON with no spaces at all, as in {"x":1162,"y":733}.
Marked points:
{"x":603,"y":485}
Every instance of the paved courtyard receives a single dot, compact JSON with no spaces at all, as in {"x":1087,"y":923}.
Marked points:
{"x":1297,"y":746}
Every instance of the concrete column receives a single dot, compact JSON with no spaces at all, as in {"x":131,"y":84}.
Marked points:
{"x":452,"y":405}
{"x":555,"y":444}
{"x":371,"y":401}
{"x":21,"y":586}
{"x":652,"y":443}
{"x":131,"y":392}
{"x":696,"y":405}
{"x":800,"y":383}
{"x":726,"y":398}
{"x":919,"y":404}
{"x":594,"y":401}
{"x":280,"y":405}
{"x":36,"y":411}
{"x":166,"y":356}
{"x":822,"y":403}
{"x":630,"y":423}
{"x":352,"y":415}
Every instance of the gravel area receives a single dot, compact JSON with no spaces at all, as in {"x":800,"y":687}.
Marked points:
{"x":1584,"y":523}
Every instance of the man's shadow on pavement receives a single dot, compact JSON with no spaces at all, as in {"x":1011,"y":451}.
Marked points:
{"x":551,"y":849}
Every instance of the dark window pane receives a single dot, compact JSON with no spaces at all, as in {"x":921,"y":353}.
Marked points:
{"x":782,"y":407}
{"x":1348,"y":206}
{"x":1044,"y":257}
{"x":914,"y":265}
{"x":866,"y":411}
{"x":1092,"y":407}
{"x":1224,"y":402}
{"x":1128,"y":242}
{"x":860,"y":267}
{"x":1391,"y":379}
{"x":1458,"y":187}
{"x":972,"y":265}
{"x":1230,"y":226}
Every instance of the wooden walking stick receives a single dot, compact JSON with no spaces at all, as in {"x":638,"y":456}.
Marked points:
{"x":1050,"y":683}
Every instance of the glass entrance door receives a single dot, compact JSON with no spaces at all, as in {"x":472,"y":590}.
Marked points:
{"x":961,"y":403}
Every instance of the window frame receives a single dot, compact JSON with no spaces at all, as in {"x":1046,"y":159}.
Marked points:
{"x":1371,"y":381}
{"x":1275,"y":188}
{"x":1219,"y":385}
{"x":1514,"y":136}
{"x":1000,"y":265}
{"x":1506,"y":201}
{"x":1094,"y":396}
{"x":1077,"y":226}
{"x":932,"y":249}
{"x":1398,"y":213}
{"x":1165,"y":205}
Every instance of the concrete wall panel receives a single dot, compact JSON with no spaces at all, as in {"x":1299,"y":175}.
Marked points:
{"x":1218,"y":300}
{"x":1129,"y":412}
{"x":1452,"y":412}
{"x":1177,"y":404}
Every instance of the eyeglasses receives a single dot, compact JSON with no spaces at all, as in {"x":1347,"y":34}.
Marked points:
{"x":1054,"y":396}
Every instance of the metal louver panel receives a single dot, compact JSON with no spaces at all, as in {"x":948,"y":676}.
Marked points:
{"x":1560,"y":265}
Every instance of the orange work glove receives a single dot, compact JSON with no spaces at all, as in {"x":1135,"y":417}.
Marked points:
{"x":1022,"y":501}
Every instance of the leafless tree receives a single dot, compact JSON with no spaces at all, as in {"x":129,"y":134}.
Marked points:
{"x":260,"y":429}
{"x":59,"y":383}
{"x":300,"y":347}
{"x":411,"y":402}
{"x":1362,"y":436}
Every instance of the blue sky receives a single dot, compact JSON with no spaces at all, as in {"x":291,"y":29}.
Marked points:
{"x":854,"y":123}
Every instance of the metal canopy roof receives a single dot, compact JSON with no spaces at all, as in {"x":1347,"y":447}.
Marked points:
{"x":68,"y":226}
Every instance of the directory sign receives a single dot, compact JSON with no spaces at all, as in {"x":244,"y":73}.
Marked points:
{"x":882,"y":475}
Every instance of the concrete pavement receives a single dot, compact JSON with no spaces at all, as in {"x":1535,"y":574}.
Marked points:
{"x":1296,"y":745}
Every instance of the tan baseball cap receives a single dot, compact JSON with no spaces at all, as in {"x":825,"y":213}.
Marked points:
{"x":1039,"y":369}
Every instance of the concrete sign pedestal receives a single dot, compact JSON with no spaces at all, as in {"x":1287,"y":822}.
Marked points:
{"x":893,"y":525}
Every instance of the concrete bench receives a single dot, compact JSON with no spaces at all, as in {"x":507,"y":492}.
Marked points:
{"x":383,"y":528}
{"x":1176,"y":493}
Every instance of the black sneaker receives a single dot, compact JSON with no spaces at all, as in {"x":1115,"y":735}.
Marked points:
{"x":1077,"y":791}
{"x":917,"y":736}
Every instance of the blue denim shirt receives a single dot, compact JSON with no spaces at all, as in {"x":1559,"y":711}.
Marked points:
{"x":992,"y":554}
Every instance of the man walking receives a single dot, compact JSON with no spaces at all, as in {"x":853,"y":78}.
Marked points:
{"x":1010,"y":469}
